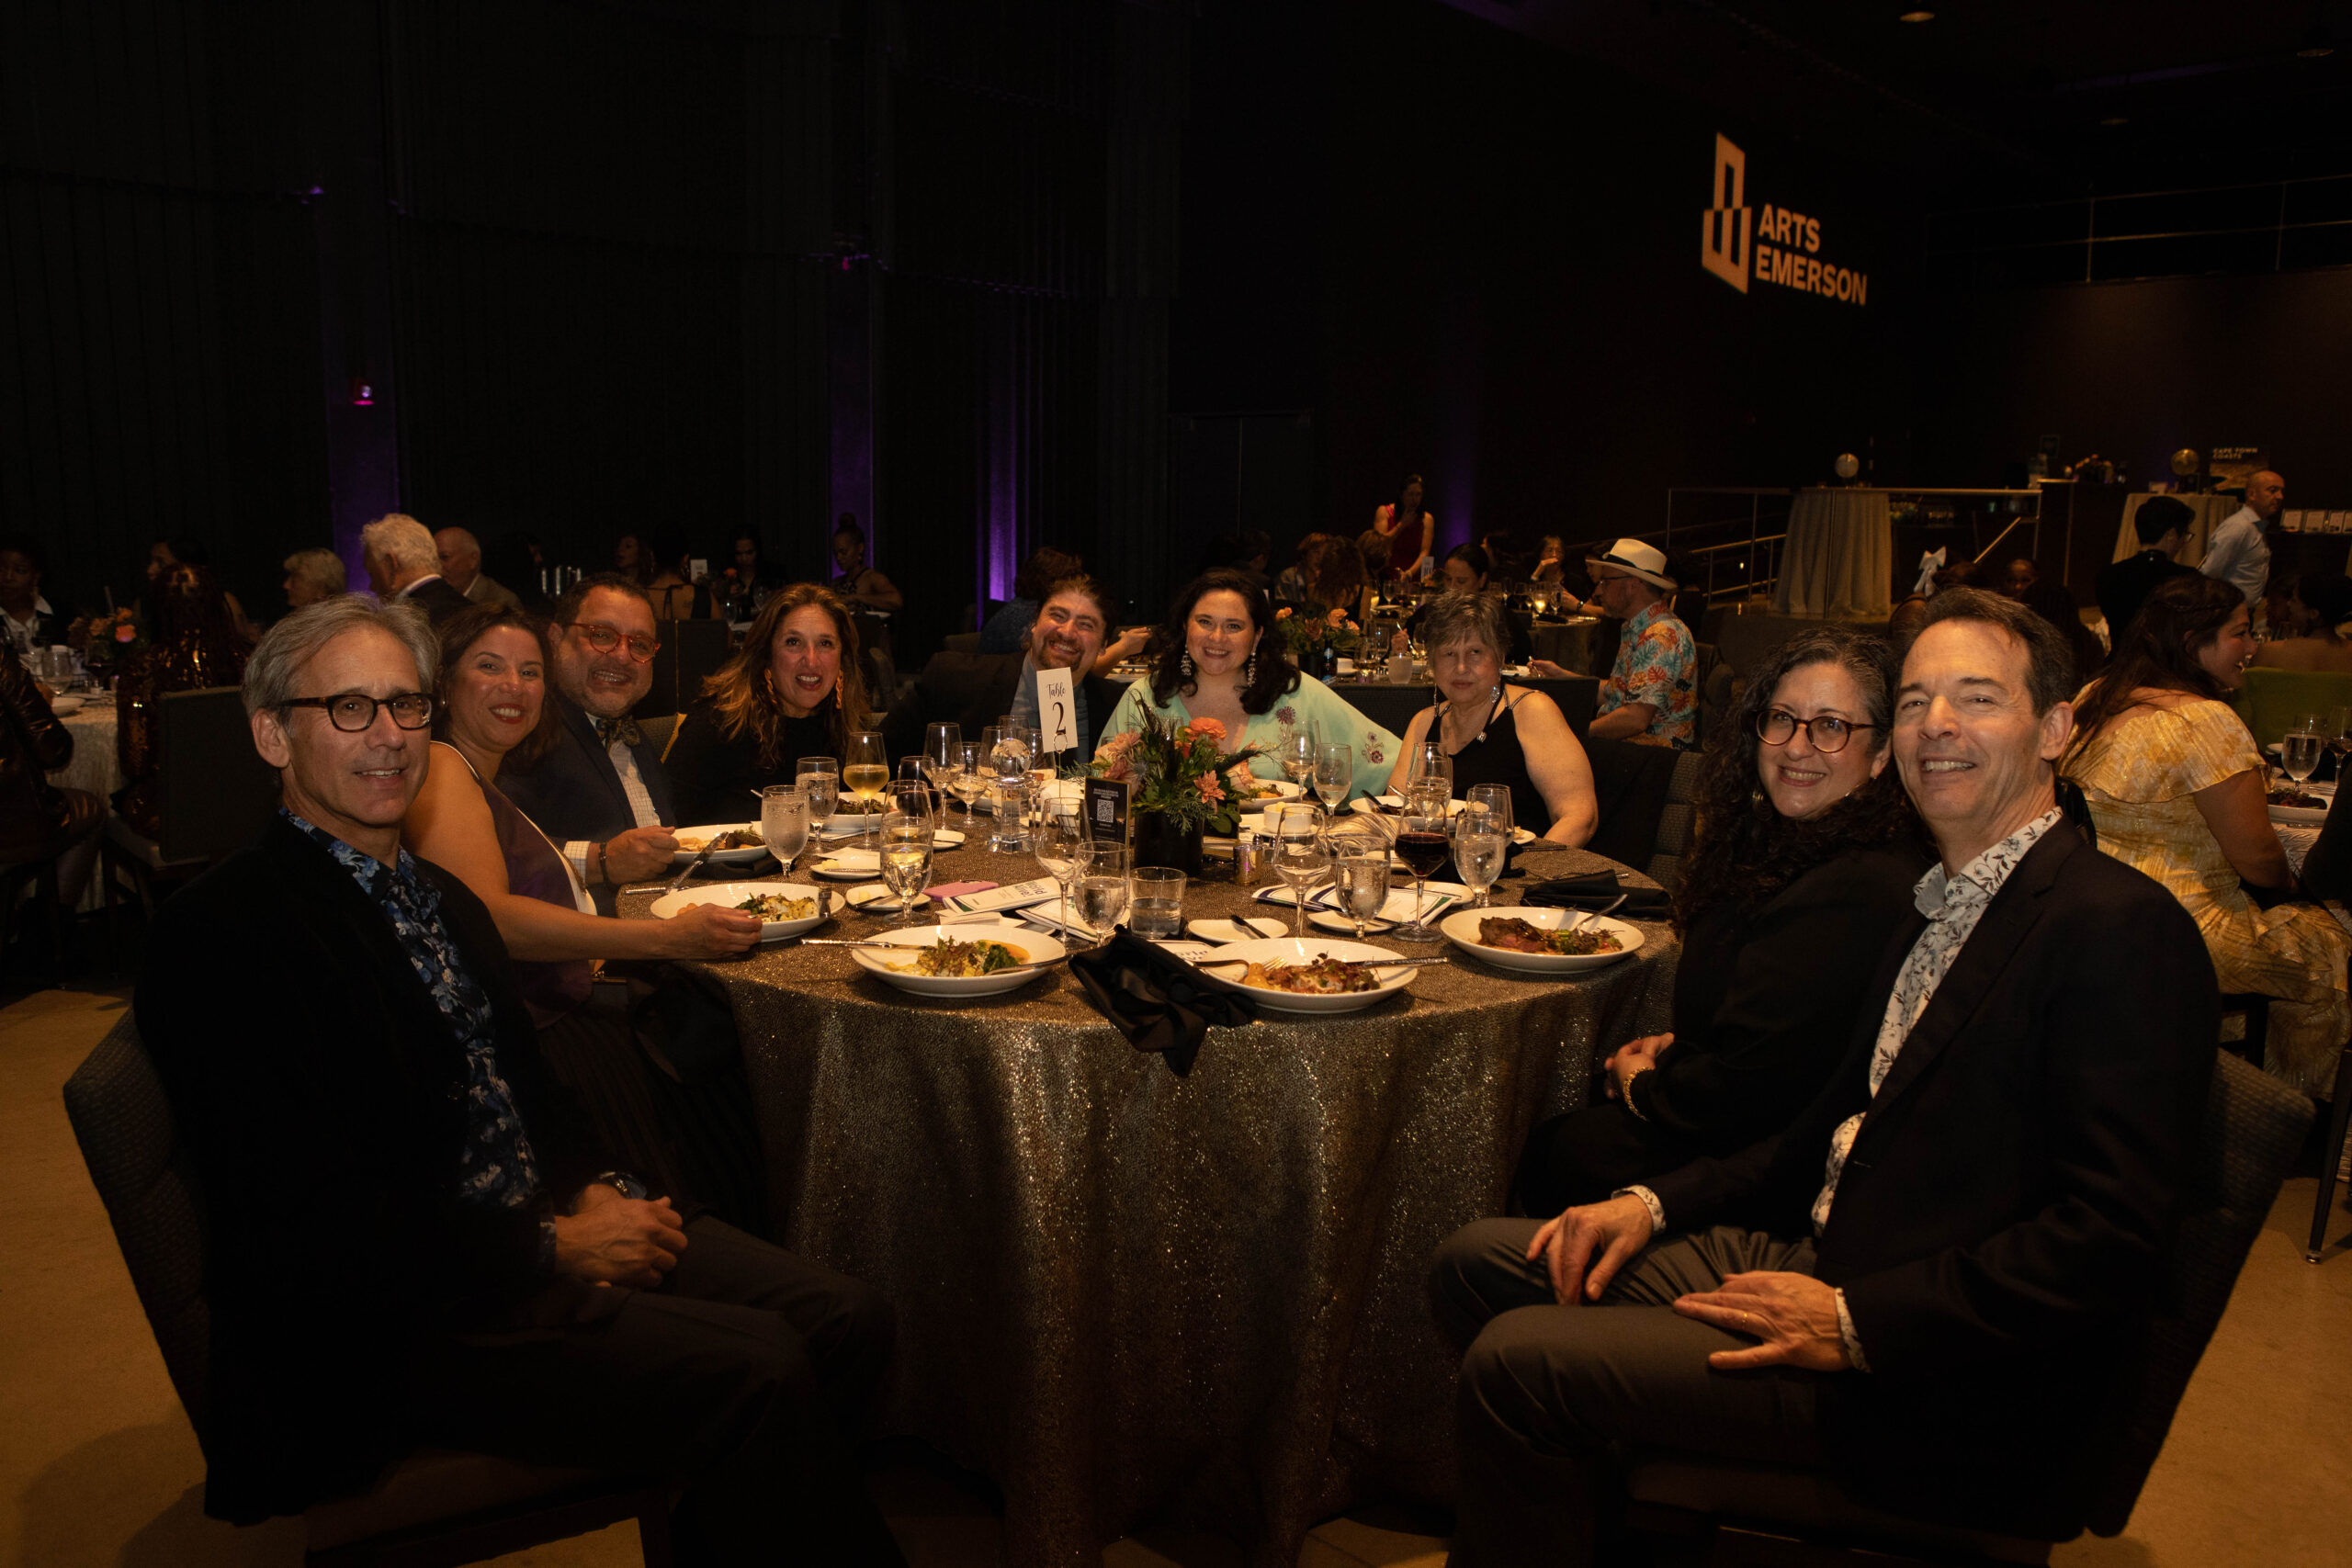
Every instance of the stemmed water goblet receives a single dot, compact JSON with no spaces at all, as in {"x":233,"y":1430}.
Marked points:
{"x":1359,"y":871}
{"x":1060,"y":849}
{"x":1103,"y":888}
{"x":784,"y":822}
{"x":1298,"y":851}
{"x":820,"y":779}
{"x":906,"y":860}
{"x":1335,"y":772}
{"x":1482,"y":839}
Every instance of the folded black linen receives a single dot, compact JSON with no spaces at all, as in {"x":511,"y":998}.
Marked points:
{"x":1594,"y":890}
{"x":1159,"y":1001}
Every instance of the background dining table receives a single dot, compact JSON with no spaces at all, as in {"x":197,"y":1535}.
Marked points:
{"x":1124,"y":1294}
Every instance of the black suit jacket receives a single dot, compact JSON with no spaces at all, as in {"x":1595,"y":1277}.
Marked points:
{"x":573,"y":792}
{"x":437,"y":600}
{"x":2124,"y":585}
{"x":973,"y":690}
{"x":1999,"y":1219}
{"x":323,"y":1097}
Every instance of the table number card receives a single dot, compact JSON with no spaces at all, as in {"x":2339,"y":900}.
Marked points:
{"x":1107,"y":802}
{"x":1057,"y":712}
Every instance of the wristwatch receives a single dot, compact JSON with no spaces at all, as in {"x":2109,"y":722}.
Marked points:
{"x":622,"y":1182}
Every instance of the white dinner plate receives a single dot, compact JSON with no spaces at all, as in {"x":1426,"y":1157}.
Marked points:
{"x":66,"y":703}
{"x":2304,"y":816}
{"x":691,"y":839}
{"x":848,"y":865}
{"x":1225,"y":931}
{"x":1034,"y":946}
{"x":1461,"y":928}
{"x":1224,"y":969}
{"x":1370,"y":805}
{"x":868,"y":896}
{"x":733,"y":893}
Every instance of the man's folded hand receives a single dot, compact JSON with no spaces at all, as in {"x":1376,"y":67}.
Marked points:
{"x":613,"y":1240}
{"x":1615,"y":1230}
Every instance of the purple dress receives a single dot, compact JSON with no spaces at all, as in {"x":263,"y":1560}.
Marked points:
{"x":552,"y":988}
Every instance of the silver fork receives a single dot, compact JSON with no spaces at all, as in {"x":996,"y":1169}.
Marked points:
{"x":1581,"y":915}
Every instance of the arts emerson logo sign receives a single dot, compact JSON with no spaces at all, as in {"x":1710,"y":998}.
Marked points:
{"x":1773,"y":245}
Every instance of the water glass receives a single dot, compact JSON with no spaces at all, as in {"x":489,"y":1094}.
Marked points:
{"x":2302,"y":748}
{"x":906,"y":860}
{"x":1478,"y":847}
{"x":1298,"y":851}
{"x":2339,"y":732}
{"x":1102,"y":890}
{"x":964,"y":777}
{"x":820,"y":778}
{"x":1008,"y":751}
{"x":1158,"y":902}
{"x":939,"y":744}
{"x":1296,"y":752}
{"x":784,"y":822}
{"x":1360,"y":871}
{"x":1335,"y":772}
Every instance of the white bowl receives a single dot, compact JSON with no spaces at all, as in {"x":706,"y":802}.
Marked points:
{"x":1035,"y":946}
{"x":2304,"y":816}
{"x":1222,"y":970}
{"x":718,"y":857}
{"x":729,"y":894}
{"x":1461,"y":928}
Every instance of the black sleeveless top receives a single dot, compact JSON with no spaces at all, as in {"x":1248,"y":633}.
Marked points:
{"x":1495,"y":757}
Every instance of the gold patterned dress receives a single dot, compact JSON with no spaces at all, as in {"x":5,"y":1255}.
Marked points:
{"x":2140,"y":773}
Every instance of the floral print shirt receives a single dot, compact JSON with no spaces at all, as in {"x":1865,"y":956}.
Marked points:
{"x":1657,"y":663}
{"x":495,"y":1166}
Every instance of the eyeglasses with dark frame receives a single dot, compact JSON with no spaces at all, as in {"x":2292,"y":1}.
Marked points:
{"x":603,"y":638}
{"x":1828,"y":733}
{"x":356,"y":711}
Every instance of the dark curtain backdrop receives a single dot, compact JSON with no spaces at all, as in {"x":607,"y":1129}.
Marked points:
{"x":159,"y":305}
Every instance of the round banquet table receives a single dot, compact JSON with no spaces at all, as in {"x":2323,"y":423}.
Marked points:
{"x":95,"y":765}
{"x":1838,"y":557}
{"x":1124,"y":1294}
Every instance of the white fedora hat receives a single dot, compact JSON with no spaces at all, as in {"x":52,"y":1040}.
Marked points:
{"x":1635,"y":558}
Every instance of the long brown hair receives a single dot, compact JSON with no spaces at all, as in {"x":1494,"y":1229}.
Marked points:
{"x":2158,"y":651}
{"x":1275,"y":674}
{"x":458,"y":635}
{"x":741,"y":694}
{"x":1745,"y":850}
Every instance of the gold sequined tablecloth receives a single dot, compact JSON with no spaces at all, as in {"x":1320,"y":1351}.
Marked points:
{"x":1122,"y":1293}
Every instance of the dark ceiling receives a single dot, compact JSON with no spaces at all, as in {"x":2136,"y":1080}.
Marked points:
{"x":1999,"y":99}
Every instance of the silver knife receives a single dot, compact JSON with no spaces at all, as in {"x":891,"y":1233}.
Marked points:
{"x":691,"y":866}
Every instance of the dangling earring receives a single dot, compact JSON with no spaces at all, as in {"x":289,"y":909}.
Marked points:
{"x":1249,"y":669}
{"x":1186,"y":664}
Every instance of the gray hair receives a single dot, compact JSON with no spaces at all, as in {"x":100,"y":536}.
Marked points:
{"x":1467,"y":618}
{"x":278,"y":660}
{"x":401,"y":542}
{"x":323,"y":570}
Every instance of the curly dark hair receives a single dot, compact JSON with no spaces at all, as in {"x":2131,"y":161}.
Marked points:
{"x":1745,"y":850}
{"x":1275,"y":674}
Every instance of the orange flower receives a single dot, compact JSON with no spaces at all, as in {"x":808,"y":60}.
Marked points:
{"x":1206,"y":729}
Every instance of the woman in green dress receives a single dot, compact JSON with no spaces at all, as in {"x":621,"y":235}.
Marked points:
{"x":1215,"y":660}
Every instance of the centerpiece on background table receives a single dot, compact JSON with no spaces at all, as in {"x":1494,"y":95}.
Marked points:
{"x":1185,"y":783}
{"x":1316,"y":642}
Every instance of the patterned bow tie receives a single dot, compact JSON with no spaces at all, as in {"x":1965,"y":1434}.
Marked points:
{"x":623,"y":730}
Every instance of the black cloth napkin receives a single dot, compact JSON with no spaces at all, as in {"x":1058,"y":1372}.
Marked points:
{"x":1159,"y":1001}
{"x":1596,"y":888}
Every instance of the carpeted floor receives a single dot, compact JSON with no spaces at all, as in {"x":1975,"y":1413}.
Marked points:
{"x":99,"y":1467}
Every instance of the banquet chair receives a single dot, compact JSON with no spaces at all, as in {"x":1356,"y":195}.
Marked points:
{"x":217,"y":794}
{"x":2270,"y":700}
{"x":439,"y":1507}
{"x":1630,"y":785}
{"x":1677,"y":821}
{"x":2254,"y":1128}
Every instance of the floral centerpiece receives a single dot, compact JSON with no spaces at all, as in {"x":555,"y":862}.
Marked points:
{"x":1185,"y":782}
{"x":1316,"y":642}
{"x":108,"y":639}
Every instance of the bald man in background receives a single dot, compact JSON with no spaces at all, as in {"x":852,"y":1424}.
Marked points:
{"x":461,"y":568}
{"x":2239,"y":553}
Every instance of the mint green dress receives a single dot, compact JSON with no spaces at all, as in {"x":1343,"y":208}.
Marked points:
{"x":1313,"y":706}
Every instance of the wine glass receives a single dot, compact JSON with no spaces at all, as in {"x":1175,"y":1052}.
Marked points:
{"x":1422,"y":844}
{"x":939,"y":744}
{"x":1102,"y":887}
{"x":2300,"y":749}
{"x":1298,"y":851}
{"x":1335,"y":772}
{"x":865,"y":767}
{"x":1480,"y":838}
{"x":909,"y":797}
{"x":2339,"y":730}
{"x":1359,"y":870}
{"x":1060,"y":852}
{"x":917,"y":770}
{"x":784,"y":822}
{"x":820,"y":778}
{"x":1426,"y":762}
{"x":1296,"y":752}
{"x":963,"y":778}
{"x":906,"y":860}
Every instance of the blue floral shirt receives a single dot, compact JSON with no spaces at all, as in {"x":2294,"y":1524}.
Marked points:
{"x":495,"y":1166}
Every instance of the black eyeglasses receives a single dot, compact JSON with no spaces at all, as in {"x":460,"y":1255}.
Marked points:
{"x":603,"y":639}
{"x":356,"y":711}
{"x":1827,"y":732}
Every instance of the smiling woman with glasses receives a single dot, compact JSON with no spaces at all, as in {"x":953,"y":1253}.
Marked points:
{"x":1806,"y":854}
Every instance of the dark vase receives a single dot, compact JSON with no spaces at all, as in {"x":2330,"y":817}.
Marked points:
{"x":1159,"y":842}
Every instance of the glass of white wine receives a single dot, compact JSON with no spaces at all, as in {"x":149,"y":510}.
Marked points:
{"x":1335,"y":772}
{"x":1102,"y":890}
{"x":906,"y":860}
{"x":865,"y":767}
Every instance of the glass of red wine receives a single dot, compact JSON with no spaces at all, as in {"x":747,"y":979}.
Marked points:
{"x":1423,"y":844}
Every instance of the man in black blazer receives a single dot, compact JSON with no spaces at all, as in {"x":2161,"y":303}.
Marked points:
{"x":600,"y":790}
{"x":1922,"y":1285}
{"x":975,"y":690}
{"x":411,"y":1235}
{"x":404,"y":567}
{"x":2162,"y":523}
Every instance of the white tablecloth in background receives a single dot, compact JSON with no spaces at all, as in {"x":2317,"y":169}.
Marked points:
{"x":2210,"y":510}
{"x":96,"y":765}
{"x":1839,"y":559}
